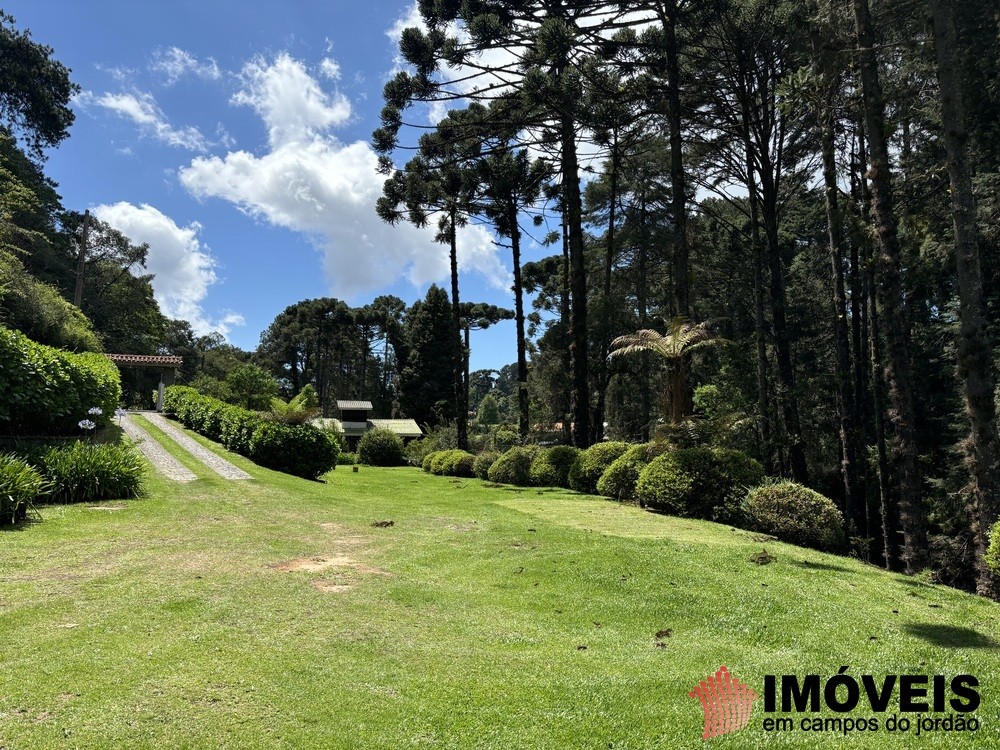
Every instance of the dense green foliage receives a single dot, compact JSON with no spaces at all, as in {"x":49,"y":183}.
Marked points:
{"x":512,"y":467}
{"x":551,"y":466}
{"x":619,"y":479}
{"x":797,"y":515}
{"x":303,"y":450}
{"x":20,"y":487}
{"x":251,"y":387}
{"x":993,"y":555}
{"x":37,"y":310}
{"x":85,"y":472}
{"x":699,"y":482}
{"x":49,"y":391}
{"x":426,"y":392}
{"x":591,"y":463}
{"x":381,"y":448}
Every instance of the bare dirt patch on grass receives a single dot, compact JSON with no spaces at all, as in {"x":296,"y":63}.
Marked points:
{"x":328,"y":587}
{"x":313,"y":564}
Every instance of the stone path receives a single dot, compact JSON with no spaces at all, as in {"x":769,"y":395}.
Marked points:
{"x":216,"y":463}
{"x":162,"y":461}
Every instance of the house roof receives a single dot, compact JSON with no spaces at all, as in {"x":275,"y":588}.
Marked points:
{"x":354,"y":405}
{"x":402,"y":427}
{"x":146,"y":360}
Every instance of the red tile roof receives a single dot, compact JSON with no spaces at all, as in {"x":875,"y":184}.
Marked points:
{"x":146,"y":360}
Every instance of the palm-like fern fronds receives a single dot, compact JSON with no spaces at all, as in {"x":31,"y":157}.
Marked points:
{"x":682,"y":339}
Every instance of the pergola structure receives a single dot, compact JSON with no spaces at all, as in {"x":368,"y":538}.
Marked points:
{"x":166,"y":364}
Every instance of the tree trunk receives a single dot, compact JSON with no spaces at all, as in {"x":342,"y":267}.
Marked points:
{"x":680,"y":266}
{"x":975,"y":355}
{"x":890,"y":302}
{"x":854,"y":515}
{"x":760,"y":321}
{"x":604,"y":376}
{"x":522,"y":359}
{"x":678,"y":187}
{"x":81,"y":261}
{"x":457,"y":366}
{"x":567,"y":360}
{"x":580,"y":399}
{"x":645,"y":408}
{"x":787,"y":398}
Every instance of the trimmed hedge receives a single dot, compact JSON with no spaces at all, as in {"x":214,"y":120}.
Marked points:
{"x":483,"y":462}
{"x":20,"y":486}
{"x":86,"y":472}
{"x":47,"y":391}
{"x":552,"y":465}
{"x":513,"y":467}
{"x":302,"y":450}
{"x":294,"y":449}
{"x":381,"y":448}
{"x":706,"y":483}
{"x":452,"y":462}
{"x":619,"y":479}
{"x":796,"y":514}
{"x":591,"y":463}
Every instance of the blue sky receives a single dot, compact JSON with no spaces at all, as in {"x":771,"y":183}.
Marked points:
{"x":234,"y":139}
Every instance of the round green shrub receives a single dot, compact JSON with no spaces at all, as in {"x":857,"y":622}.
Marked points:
{"x":513,"y":467}
{"x":993,"y":553}
{"x":698,"y":482}
{"x":441,"y":462}
{"x":428,"y":461}
{"x":462,"y":464}
{"x":483,"y":462}
{"x":346,"y":459}
{"x":796,"y":514}
{"x":593,"y":462}
{"x":381,"y":448}
{"x":453,"y":463}
{"x":551,"y":466}
{"x":299,"y":449}
{"x":20,"y":486}
{"x":618,"y":480}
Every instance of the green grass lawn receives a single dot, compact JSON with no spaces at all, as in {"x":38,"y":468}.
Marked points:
{"x":272,"y":614}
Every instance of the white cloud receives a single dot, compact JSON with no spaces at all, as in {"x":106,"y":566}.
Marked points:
{"x":290,"y":101}
{"x":175,"y":63}
{"x":329,"y":68}
{"x":183,"y":268}
{"x":141,"y":108}
{"x":310,"y":182}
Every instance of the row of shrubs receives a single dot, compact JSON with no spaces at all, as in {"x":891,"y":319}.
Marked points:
{"x":299,"y":449}
{"x":77,"y":472}
{"x":716,"y":484}
{"x":47,"y":391}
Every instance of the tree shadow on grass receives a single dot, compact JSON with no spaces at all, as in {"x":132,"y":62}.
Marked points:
{"x":820,"y":566}
{"x":950,"y":636}
{"x":24,"y":525}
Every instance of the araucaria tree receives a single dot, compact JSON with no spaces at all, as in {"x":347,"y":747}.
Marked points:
{"x":538,"y":90}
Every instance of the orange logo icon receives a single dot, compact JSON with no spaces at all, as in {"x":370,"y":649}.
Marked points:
{"x":726,"y":702}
